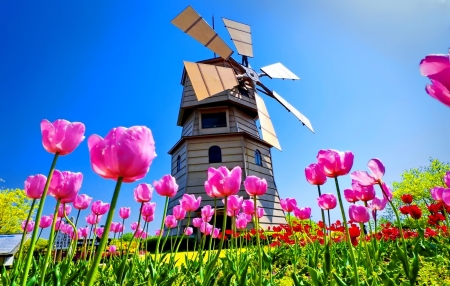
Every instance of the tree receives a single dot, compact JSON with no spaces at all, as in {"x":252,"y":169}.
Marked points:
{"x":14,"y":208}
{"x":418,"y":182}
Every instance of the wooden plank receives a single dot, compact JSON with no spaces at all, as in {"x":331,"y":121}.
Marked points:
{"x":213,"y":142}
{"x":225,"y":151}
{"x":226,"y":159}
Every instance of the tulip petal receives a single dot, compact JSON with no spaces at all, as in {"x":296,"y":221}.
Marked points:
{"x":446,"y":197}
{"x":363,"y":178}
{"x":433,"y":64}
{"x":74,"y":135}
{"x":377,"y":168}
{"x":47,"y":131}
{"x":439,"y":92}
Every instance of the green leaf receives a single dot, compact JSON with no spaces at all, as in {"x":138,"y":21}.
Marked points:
{"x":33,"y":281}
{"x":314,"y":276}
{"x":243,"y":275}
{"x":295,"y":278}
{"x":338,"y":280}
{"x":386,"y":280}
{"x":414,"y":270}
{"x":5,"y":279}
{"x":327,"y":258}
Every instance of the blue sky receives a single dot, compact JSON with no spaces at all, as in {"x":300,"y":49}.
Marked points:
{"x":119,"y":63}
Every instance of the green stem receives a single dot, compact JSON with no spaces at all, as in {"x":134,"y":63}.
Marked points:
{"x":324,"y":228}
{"x":92,"y":274}
{"x":94,"y":239}
{"x":161,"y":230}
{"x":446,"y":218}
{"x":258,"y":242}
{"x":363,"y":241}
{"x":213,"y":263}
{"x":349,"y":242}
{"x":214,"y":225}
{"x":76,"y":221}
{"x":183,"y":235}
{"x":37,"y":221}
{"x":71,"y":254}
{"x":121,"y":237}
{"x":24,"y":234}
{"x":399,"y":225}
{"x":50,"y":243}
{"x":295,"y":246}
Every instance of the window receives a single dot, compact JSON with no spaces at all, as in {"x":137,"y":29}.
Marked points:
{"x":213,"y":120}
{"x":258,"y":160}
{"x":178,"y":163}
{"x":215,"y":154}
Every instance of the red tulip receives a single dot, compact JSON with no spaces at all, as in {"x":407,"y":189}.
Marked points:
{"x":415,"y":212}
{"x":314,"y":175}
{"x":124,"y":152}
{"x":61,"y":136}
{"x":255,"y":186}
{"x":405,"y":210}
{"x":407,"y":198}
{"x":167,"y":186}
{"x":34,"y":186}
{"x":334,"y":163}
{"x":437,"y":69}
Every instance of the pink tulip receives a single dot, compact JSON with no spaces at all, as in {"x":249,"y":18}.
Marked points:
{"x":170,"y":221}
{"x":159,"y":232}
{"x":61,"y":136}
{"x":302,"y":213}
{"x":113,"y":226}
{"x":207,"y":212}
{"x":215,"y":233}
{"x":248,"y":207}
{"x":124,"y":212}
{"x":437,"y":69}
{"x":446,"y":197}
{"x":143,"y":193}
{"x":148,"y":209}
{"x":93,"y":219}
{"x":378,"y":204}
{"x":65,"y":185}
{"x":124,"y":153}
{"x":120,"y":227}
{"x":206,"y":228}
{"x":112,"y":248}
{"x":447,"y":179}
{"x":149,"y":218}
{"x":255,"y":186}
{"x":358,"y":213}
{"x":259,"y":212}
{"x":34,"y":186}
{"x":178,"y":212}
{"x":59,"y":224}
{"x":314,"y":175}
{"x":241,"y":221}
{"x":377,"y":169}
{"x":28,"y":227}
{"x":140,"y":233}
{"x":64,"y":210}
{"x":288,"y":205}
{"x":436,"y":193}
{"x":350,"y":195}
{"x":327,"y":201}
{"x":223,"y":183}
{"x":82,"y":202}
{"x":234,"y":205}
{"x":363,"y":193}
{"x":189,"y":203}
{"x":197,"y":222}
{"x":167,"y":186}
{"x":83,"y":231}
{"x":45,"y":221}
{"x":67,"y":229}
{"x":334,"y":163}
{"x":99,"y":231}
{"x":99,"y":208}
{"x":188,"y":231}
{"x":387,"y":191}
{"x":134,"y":226}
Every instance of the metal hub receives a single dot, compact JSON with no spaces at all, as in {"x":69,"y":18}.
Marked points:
{"x":251,"y":74}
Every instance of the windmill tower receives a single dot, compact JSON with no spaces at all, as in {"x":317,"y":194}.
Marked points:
{"x":219,"y":107}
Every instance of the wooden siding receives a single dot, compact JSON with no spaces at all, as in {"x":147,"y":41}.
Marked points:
{"x":188,"y":127}
{"x":245,"y":123}
{"x":180,"y":176}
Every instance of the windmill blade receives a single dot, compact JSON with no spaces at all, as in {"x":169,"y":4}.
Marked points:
{"x":294,"y":111}
{"x":267,"y":130}
{"x":241,"y":36}
{"x":190,"y":22}
{"x":279,"y":71}
{"x":209,"y":80}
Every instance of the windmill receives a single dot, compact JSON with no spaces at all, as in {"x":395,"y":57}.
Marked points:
{"x":219,"y":108}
